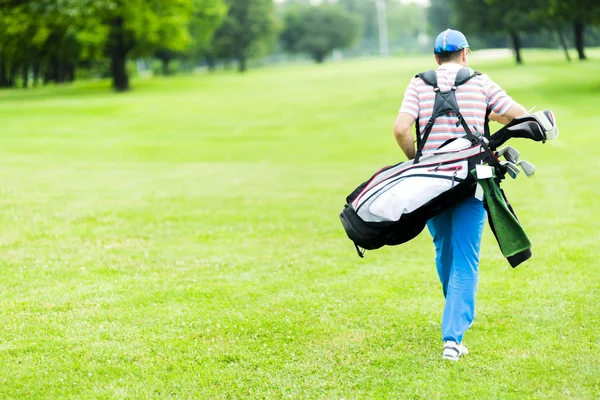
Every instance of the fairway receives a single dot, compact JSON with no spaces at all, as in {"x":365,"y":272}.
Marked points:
{"x":183,"y":241}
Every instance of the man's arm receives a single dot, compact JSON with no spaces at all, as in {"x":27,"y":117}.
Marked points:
{"x":403,"y":134}
{"x":516,"y":110}
{"x":504,"y":108}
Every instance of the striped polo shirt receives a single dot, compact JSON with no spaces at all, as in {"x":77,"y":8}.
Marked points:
{"x":473,"y":97}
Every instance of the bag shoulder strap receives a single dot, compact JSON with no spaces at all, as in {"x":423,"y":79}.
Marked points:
{"x":429,"y":77}
{"x":464,"y":75}
{"x":445,"y":102}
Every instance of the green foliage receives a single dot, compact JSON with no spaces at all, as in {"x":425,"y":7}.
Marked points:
{"x":405,"y":21}
{"x":317,"y":30}
{"x":584,"y":11}
{"x":248,"y":30}
{"x":40,"y":33}
{"x":509,"y":16}
{"x":498,"y":16}
{"x":513,"y":18}
{"x":59,"y":34}
{"x":439,"y":16}
{"x":173,"y":67}
{"x":140,"y":27}
{"x":206,"y":18}
{"x":149,"y":24}
{"x":367,"y":12}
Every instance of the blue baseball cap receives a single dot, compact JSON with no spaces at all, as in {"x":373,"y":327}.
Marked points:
{"x":450,"y":41}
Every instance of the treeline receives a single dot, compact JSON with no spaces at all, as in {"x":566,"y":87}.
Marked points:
{"x":520,"y":20}
{"x":49,"y":39}
{"x":43,"y":41}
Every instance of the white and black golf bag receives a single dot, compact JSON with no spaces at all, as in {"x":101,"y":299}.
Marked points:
{"x":394,"y":205}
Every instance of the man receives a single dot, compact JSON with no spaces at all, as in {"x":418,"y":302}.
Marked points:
{"x":457,"y":231}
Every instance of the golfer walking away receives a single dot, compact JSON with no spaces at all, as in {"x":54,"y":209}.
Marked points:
{"x":457,"y":231}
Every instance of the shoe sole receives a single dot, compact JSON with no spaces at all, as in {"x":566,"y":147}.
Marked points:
{"x":457,"y":356}
{"x":451,"y":358}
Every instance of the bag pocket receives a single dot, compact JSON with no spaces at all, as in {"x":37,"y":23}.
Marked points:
{"x":414,"y":189}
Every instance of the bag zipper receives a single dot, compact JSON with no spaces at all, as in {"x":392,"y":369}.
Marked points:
{"x":446,"y":169}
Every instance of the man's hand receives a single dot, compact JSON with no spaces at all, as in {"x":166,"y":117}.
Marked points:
{"x":403,"y":134}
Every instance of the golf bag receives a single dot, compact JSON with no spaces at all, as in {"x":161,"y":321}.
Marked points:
{"x":394,"y":206}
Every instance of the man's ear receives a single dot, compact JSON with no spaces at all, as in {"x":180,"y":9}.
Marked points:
{"x":437,"y":60}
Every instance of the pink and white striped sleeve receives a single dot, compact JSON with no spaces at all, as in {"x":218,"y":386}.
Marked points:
{"x":410,"y":103}
{"x":497,"y":99}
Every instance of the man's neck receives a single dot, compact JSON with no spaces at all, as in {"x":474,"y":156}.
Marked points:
{"x":452,"y":63}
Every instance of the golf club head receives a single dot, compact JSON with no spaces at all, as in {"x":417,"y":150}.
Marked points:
{"x":509,"y":153}
{"x":527,"y":167}
{"x":539,"y":127}
{"x":511,"y":168}
{"x":548,"y":122}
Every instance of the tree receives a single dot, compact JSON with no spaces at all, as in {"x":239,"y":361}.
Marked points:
{"x":139,"y":27}
{"x":248,"y":29}
{"x":578,"y":13}
{"x":46,"y":36}
{"x":367,"y":12}
{"x":206,"y":17}
{"x":51,"y":37}
{"x":318,"y":30}
{"x":501,"y":16}
{"x":438,"y":16}
{"x":405,"y":22}
{"x":16,"y":27}
{"x":515,"y":17}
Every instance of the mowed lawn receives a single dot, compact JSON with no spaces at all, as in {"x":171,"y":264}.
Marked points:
{"x":183,"y":241}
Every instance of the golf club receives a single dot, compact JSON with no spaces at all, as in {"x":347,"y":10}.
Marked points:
{"x":511,"y":168}
{"x":510,"y":154}
{"x":527,"y":167}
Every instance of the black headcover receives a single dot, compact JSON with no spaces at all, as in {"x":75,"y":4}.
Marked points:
{"x":526,"y":127}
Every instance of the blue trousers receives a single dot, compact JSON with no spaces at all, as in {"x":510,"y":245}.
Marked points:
{"x":457,"y":237}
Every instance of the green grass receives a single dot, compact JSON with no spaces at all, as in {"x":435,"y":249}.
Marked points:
{"x":183,"y":241}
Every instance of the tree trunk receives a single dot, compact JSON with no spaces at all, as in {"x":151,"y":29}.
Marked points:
{"x":12,"y":78}
{"x":69,"y":72}
{"x":243,"y":63}
{"x":579,"y":42}
{"x":60,"y":71}
{"x":319,"y":57}
{"x":211,"y":63}
{"x":119,"y":72}
{"x":25,"y":75}
{"x":563,"y":43}
{"x":119,"y":56}
{"x":48,"y":74}
{"x":516,"y":43}
{"x":36,"y":73}
{"x":165,"y":65}
{"x":3,"y":80}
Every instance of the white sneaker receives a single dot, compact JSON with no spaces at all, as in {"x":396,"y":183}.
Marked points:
{"x":453,"y":351}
